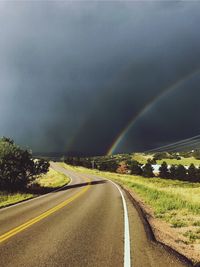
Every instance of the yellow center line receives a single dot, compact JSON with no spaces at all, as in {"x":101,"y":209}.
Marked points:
{"x":27,"y":224}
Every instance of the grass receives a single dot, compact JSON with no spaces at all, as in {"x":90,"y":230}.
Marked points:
{"x":52,"y":179}
{"x":183,"y":161}
{"x":192,"y":235}
{"x":173,"y":201}
{"x":143,"y":158}
{"x":8,"y":199}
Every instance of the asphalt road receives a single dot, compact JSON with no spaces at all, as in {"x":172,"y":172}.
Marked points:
{"x":80,"y":225}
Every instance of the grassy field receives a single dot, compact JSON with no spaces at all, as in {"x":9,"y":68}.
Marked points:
{"x":142,"y":158}
{"x":175,"y":202}
{"x":183,"y":161}
{"x":52,"y":179}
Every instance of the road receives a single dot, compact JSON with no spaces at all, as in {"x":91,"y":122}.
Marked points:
{"x":80,"y":225}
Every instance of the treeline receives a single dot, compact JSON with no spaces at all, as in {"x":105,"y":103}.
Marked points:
{"x":17,"y":167}
{"x":113,"y":165}
{"x":180,"y":172}
{"x":176,"y":155}
{"x":130,"y":166}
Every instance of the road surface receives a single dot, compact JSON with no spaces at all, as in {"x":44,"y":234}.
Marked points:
{"x":80,"y":225}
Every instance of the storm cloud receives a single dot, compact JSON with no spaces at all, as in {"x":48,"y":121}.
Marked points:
{"x":74,"y":74}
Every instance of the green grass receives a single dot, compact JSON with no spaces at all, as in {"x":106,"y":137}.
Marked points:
{"x":142,"y":158}
{"x":52,"y":179}
{"x":183,"y":161}
{"x":8,"y":199}
{"x":173,"y":201}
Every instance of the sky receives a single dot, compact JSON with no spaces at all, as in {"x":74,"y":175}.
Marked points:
{"x":89,"y":77}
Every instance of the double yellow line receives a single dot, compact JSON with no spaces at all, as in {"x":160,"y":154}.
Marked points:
{"x":29,"y":223}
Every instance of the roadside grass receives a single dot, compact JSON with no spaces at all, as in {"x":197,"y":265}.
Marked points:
{"x":52,"y":179}
{"x":7,"y":199}
{"x":173,"y":201}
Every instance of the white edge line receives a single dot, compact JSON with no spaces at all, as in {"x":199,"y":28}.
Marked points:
{"x":127,"y":248}
{"x":35,"y":198}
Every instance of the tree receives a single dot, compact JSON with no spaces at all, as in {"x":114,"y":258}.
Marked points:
{"x":40,"y":166}
{"x":135,"y":168}
{"x":163,"y":170}
{"x":107,"y":165}
{"x":181,"y":172}
{"x":17,"y":167}
{"x":148,"y":170}
{"x":8,"y":140}
{"x":198,"y":174}
{"x":173,"y":172}
{"x":192,"y":172}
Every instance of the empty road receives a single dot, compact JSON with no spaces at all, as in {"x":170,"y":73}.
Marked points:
{"x":80,"y":225}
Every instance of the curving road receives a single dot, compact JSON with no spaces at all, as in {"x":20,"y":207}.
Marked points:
{"x":80,"y":225}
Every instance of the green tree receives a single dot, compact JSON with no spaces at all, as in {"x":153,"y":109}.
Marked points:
{"x":181,"y":173}
{"x":135,"y":168}
{"x":192,"y":173}
{"x":17,"y":167}
{"x":108,"y":165}
{"x":163,"y":170}
{"x":40,"y":167}
{"x":148,"y":170}
{"x":173,"y":172}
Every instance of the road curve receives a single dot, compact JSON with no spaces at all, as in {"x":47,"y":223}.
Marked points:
{"x":80,"y":225}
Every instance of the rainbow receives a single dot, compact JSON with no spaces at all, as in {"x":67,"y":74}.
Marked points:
{"x":147,"y":108}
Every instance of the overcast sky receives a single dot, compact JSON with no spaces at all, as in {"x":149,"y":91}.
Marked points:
{"x":73,"y":75}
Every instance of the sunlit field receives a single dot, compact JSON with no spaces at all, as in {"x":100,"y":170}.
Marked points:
{"x":183,"y":161}
{"x":143,"y":158}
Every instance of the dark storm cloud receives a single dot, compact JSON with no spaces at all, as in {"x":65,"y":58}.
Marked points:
{"x":74,"y":74}
{"x":172,"y":118}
